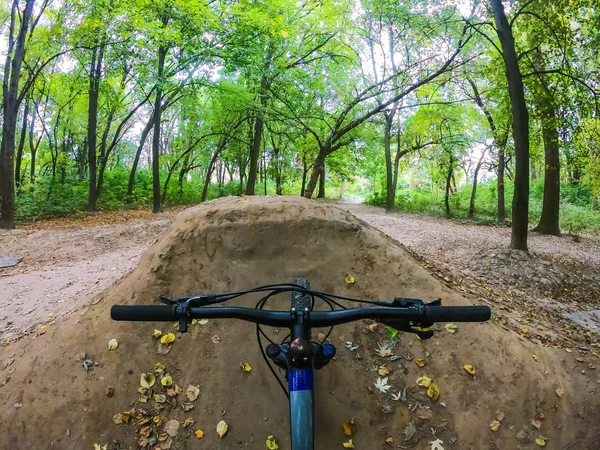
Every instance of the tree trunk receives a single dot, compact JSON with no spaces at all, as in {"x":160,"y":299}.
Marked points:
{"x":318,"y":167}
{"x":448,"y":187}
{"x":32,"y":149}
{"x":501,"y":201}
{"x":156,"y":207}
{"x":533,"y":172}
{"x":304,"y":175}
{"x":95,"y":73}
{"x":321,"y":192}
{"x":549,"y":222}
{"x":474,"y":190}
{"x":21,"y":145}
{"x":520,"y":210}
{"x":138,"y":154}
{"x":10,"y":107}
{"x":81,"y":159}
{"x":390,"y":200}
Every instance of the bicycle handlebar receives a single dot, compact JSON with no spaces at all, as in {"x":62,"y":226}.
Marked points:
{"x":160,"y":313}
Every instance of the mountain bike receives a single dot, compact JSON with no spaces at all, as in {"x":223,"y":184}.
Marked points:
{"x":298,"y":355}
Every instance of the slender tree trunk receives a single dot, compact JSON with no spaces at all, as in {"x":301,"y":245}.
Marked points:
{"x":549,"y":222}
{"x":138,"y":154}
{"x":21,"y":147}
{"x":321,"y":192}
{"x":304,"y":175}
{"x":95,"y":73}
{"x":501,"y":201}
{"x":474,"y":190}
{"x":390,"y":200}
{"x":520,"y":210}
{"x":32,"y":149}
{"x":318,"y":167}
{"x":156,"y":207}
{"x":448,"y":187}
{"x":10,"y":107}
{"x":81,"y":160}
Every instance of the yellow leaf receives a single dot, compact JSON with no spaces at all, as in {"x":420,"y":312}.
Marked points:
{"x":222,"y":428}
{"x":372,"y":327}
{"x":383,"y":371}
{"x":349,"y":444}
{"x":420,"y":362}
{"x":389,"y":440}
{"x":167,"y":338}
{"x":166,"y":381}
{"x":469,"y":368}
{"x":97,"y":447}
{"x":113,"y":344}
{"x":350,"y":280}
{"x":157,"y":334}
{"x":494,"y":425}
{"x":245,"y":366}
{"x":560,"y":392}
{"x":535,"y":357}
{"x":147,"y":380}
{"x":349,"y":427}
{"x":451,"y":328}
{"x":159,"y":398}
{"x":541,"y":441}
{"x":159,"y":367}
{"x":271,"y":443}
{"x":568,"y":350}
{"x":424,"y":381}
{"x":178,"y":390}
{"x":433,"y":392}
{"x":199,"y":434}
{"x":525,"y":331}
{"x":447,"y":279}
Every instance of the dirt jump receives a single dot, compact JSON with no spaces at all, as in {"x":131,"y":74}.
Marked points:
{"x":64,"y":388}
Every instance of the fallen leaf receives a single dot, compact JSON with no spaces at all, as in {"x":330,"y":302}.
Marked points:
{"x":349,"y":444}
{"x":203,"y":321}
{"x":494,"y":425}
{"x":166,"y":381}
{"x":420,"y":362}
{"x":372,"y":327}
{"x":113,"y":344}
{"x":499,"y":416}
{"x":172,"y":427}
{"x":159,"y":367}
{"x":409,"y":431}
{"x":222,"y":428}
{"x":424,"y":381}
{"x":156,"y":334}
{"x":188,"y":423}
{"x":350,"y":280}
{"x":382,"y":385}
{"x":147,"y":380}
{"x":199,"y":434}
{"x":143,"y":399}
{"x":245,"y":366}
{"x":159,"y":398}
{"x":560,"y":392}
{"x":451,"y":328}
{"x":117,"y":418}
{"x":525,"y":331}
{"x":215,"y":339}
{"x":349,"y":427}
{"x":424,"y":414}
{"x":98,"y":447}
{"x":178,"y":390}
{"x":271,"y":443}
{"x":535,"y":357}
{"x":187,"y":406}
{"x":383,"y":350}
{"x":437,"y":444}
{"x":167,"y":338}
{"x":383,"y":371}
{"x":351,"y":346}
{"x":470,"y":369}
{"x":433,"y":392}
{"x":389,"y":440}
{"x":537,"y":423}
{"x":192,"y":392}
{"x":568,"y":350}
{"x":541,"y":441}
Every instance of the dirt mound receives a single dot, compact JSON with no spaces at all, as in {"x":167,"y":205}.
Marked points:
{"x":49,"y":401}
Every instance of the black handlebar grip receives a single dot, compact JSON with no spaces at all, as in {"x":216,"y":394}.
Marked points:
{"x":144,"y":313}
{"x":457,"y":313}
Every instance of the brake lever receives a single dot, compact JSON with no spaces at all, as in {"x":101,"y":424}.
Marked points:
{"x":406,"y":326}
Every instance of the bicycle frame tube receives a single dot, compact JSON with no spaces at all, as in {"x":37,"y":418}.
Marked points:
{"x":300,"y":383}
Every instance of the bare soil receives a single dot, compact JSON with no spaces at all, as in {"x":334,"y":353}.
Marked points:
{"x":49,"y":401}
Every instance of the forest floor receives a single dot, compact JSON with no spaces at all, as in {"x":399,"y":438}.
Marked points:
{"x":64,"y":262}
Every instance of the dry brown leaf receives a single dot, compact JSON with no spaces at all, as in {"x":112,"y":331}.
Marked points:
{"x":192,"y":392}
{"x":537,"y":423}
{"x":143,"y":399}
{"x":372,"y":327}
{"x":172,"y":427}
{"x":389,"y":440}
{"x":222,"y":428}
{"x":187,"y":406}
{"x":560,"y":392}
{"x":188,"y":423}
{"x":159,"y":398}
{"x":215,"y":339}
{"x":424,"y":414}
